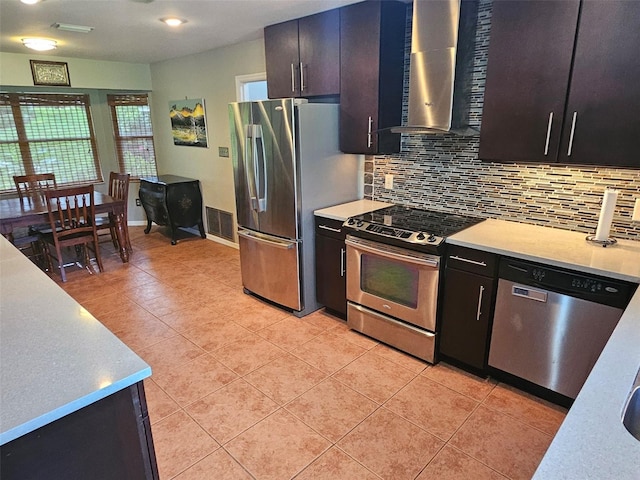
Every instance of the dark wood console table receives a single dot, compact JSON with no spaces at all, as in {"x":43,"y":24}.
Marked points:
{"x":172,"y":201}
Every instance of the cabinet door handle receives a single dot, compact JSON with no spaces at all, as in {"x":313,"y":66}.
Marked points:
{"x":342,"y":270}
{"x":324,"y":227}
{"x":474,"y":262}
{"x":546,"y":143}
{"x":479,"y":303}
{"x":573,"y":130}
{"x":369,"y":132}
{"x":293,"y":78}
{"x":301,"y":77}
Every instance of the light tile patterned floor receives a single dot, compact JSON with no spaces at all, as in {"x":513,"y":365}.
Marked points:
{"x":243,"y":390}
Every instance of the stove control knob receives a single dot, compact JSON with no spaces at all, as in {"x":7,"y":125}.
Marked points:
{"x":432,"y":238}
{"x":420,"y":236}
{"x":350,"y":221}
{"x":359,"y":223}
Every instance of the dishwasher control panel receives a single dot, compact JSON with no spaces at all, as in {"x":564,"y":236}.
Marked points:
{"x":595,"y":288}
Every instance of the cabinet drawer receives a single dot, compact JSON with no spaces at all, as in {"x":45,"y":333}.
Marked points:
{"x":471,"y":260}
{"x":330,"y":228}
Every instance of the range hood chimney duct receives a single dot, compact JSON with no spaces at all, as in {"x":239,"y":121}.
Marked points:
{"x":440,"y":75}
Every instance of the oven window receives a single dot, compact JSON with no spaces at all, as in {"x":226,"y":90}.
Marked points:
{"x":392,"y":280}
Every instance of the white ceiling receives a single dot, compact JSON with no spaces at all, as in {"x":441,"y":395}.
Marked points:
{"x":130,"y":30}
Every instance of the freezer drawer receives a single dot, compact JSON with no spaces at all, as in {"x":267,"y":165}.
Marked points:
{"x":547,"y":338}
{"x":269,"y":267}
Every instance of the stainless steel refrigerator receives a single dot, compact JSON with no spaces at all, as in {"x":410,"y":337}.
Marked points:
{"x":286,"y":164}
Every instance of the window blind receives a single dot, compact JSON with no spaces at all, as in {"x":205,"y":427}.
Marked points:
{"x":42,"y":133}
{"x":131,"y":117}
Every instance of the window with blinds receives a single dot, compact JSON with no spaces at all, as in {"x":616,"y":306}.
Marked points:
{"x":42,"y":133}
{"x":133,"y":133}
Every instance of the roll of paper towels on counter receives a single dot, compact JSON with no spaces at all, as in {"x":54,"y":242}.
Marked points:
{"x":609,"y":200}
{"x":636,"y":211}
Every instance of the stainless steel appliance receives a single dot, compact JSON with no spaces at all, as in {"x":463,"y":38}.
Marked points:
{"x":550,"y":325}
{"x":286,"y":164}
{"x":441,"y":67}
{"x":393,"y":275}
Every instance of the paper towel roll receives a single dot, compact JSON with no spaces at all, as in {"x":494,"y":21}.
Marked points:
{"x":636,"y":211}
{"x":609,"y":200}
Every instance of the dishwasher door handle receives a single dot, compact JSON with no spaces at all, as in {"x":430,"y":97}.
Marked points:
{"x":529,"y":293}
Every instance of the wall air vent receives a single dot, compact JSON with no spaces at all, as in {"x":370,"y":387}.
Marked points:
{"x":220,"y":223}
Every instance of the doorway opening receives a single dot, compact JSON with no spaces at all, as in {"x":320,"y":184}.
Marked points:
{"x":251,"y":87}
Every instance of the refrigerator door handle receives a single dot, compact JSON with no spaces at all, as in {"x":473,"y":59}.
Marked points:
{"x":260,"y":169}
{"x":250,"y":171}
{"x":274,"y":242}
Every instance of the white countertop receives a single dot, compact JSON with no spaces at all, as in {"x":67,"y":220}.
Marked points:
{"x":55,"y":357}
{"x":351,"y":209}
{"x":592,"y":442}
{"x":553,"y":246}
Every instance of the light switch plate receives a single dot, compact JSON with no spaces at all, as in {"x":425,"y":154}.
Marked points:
{"x":388,"y":181}
{"x":223,"y":151}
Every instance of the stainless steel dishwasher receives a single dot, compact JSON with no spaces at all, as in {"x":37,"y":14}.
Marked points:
{"x":550,"y":325}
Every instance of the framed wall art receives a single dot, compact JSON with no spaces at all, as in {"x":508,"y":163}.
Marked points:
{"x":50,"y":73}
{"x":188,"y":122}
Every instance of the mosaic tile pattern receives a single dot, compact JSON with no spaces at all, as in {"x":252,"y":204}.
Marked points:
{"x":442,"y":172}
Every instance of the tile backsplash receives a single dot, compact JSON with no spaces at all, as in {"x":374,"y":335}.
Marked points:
{"x":442,"y":172}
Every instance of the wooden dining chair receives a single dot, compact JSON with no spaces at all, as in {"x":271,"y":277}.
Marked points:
{"x":30,"y":244}
{"x":72,"y":222}
{"x":30,"y":188}
{"x":118,"y":189}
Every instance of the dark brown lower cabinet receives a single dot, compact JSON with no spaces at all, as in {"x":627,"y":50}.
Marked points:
{"x":331,"y":278}
{"x":107,"y":440}
{"x":468,"y":304}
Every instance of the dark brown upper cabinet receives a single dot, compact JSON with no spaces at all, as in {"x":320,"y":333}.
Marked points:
{"x":562,"y":83}
{"x":372,"y":45}
{"x":303,"y":56}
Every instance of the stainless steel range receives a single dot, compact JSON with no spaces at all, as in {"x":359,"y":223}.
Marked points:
{"x":393,"y":274}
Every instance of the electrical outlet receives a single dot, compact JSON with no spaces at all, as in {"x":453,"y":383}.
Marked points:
{"x":388,"y":181}
{"x":138,"y":204}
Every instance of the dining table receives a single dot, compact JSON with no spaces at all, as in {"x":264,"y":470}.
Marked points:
{"x":32,"y":210}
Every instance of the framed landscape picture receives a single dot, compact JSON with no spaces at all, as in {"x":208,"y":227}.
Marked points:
{"x":50,"y":73}
{"x":188,"y":122}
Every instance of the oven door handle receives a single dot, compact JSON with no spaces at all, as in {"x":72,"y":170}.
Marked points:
{"x":393,"y":255}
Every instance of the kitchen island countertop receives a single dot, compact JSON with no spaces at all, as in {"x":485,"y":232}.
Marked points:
{"x":351,"y":209}
{"x":592,"y":442}
{"x":56,"y":357}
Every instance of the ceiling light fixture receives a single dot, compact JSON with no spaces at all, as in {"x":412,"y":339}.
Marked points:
{"x":39,"y":44}
{"x":173,"y":21}
{"x":67,"y":27}
{"x":30,"y":2}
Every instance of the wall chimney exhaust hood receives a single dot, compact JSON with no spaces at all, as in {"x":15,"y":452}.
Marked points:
{"x":440,"y":75}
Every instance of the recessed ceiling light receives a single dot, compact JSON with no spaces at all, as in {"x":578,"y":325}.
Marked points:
{"x":30,"y":2}
{"x":67,"y":27}
{"x":40,"y":44}
{"x":173,"y":21}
